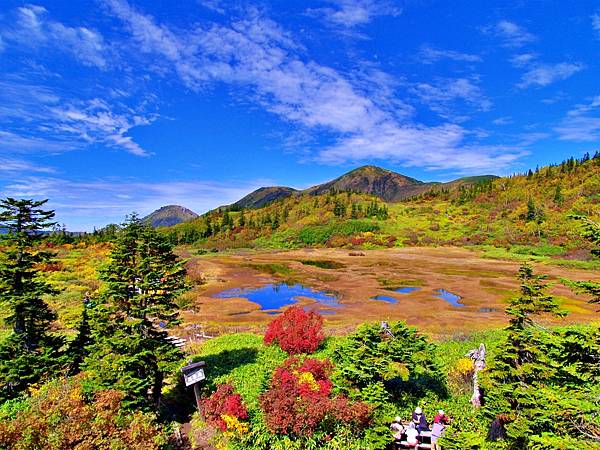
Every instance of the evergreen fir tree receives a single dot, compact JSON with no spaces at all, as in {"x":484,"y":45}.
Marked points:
{"x":129,"y":350}
{"x":30,"y":352}
{"x":558,"y":196}
{"x":78,"y":347}
{"x":541,"y":382}
{"x":531,"y":210}
{"x":590,"y":230}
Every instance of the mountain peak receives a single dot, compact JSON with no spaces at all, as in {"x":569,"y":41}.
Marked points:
{"x":169,"y":215}
{"x":374,"y":180}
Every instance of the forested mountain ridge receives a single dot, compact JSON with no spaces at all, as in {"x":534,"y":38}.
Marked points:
{"x":526,"y":209}
{"x":384,"y":184}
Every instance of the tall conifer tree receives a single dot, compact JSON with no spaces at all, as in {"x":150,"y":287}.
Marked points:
{"x":31,"y":351}
{"x":129,"y":350}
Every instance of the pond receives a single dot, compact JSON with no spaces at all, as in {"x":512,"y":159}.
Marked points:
{"x":449,"y":297}
{"x":385,"y":298}
{"x":407,"y":290}
{"x":275,"y":296}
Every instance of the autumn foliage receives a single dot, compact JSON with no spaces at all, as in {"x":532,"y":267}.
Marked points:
{"x":296,"y":331}
{"x":300,"y":402}
{"x":61,"y":416}
{"x":224,"y":409}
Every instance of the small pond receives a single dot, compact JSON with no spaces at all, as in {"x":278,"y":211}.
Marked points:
{"x":385,"y":298}
{"x":275,"y":296}
{"x":449,"y":297}
{"x":407,"y":290}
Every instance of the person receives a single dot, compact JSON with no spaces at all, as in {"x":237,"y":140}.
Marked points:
{"x":397,"y":430}
{"x":419,"y":420}
{"x":411,"y":435}
{"x":437,"y":430}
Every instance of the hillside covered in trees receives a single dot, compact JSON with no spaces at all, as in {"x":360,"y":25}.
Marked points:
{"x":527,"y":212}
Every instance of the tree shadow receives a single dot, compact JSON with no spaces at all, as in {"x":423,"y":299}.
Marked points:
{"x":417,"y":387}
{"x":179,"y":403}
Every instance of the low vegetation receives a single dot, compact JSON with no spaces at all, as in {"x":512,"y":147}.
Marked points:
{"x":102,"y":374}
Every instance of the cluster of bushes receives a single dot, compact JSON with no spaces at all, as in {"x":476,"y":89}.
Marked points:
{"x":301,"y":390}
{"x":321,"y":234}
{"x":540,"y":389}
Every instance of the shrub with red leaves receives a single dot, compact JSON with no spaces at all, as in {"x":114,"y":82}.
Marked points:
{"x":296,"y":331}
{"x":223,"y":402}
{"x":299,"y":400}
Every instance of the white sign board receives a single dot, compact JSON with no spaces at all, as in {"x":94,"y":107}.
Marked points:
{"x":194,"y":376}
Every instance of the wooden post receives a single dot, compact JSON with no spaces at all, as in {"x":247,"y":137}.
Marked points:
{"x":197,"y":395}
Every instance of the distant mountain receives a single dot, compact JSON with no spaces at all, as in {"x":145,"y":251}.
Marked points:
{"x":264,"y":196}
{"x":385,"y":184}
{"x":169,"y":215}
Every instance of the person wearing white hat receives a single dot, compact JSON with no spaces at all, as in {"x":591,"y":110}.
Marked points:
{"x":397,"y":430}
{"x":419,"y":420}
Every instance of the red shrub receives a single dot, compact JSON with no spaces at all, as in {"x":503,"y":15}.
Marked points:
{"x":223,"y":402}
{"x":296,"y":331}
{"x":299,"y":400}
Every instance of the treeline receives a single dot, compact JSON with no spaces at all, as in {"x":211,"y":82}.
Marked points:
{"x":234,"y":221}
{"x":118,"y":350}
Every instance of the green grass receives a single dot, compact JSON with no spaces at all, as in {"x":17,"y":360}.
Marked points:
{"x":323,"y":264}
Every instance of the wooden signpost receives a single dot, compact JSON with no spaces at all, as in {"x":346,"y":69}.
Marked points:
{"x":193,"y":374}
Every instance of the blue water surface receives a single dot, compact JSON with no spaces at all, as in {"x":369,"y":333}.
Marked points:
{"x":276,"y":296}
{"x":407,"y":290}
{"x":449,"y":297}
{"x":385,"y":298}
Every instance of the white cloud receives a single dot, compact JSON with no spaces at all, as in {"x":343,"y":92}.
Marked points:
{"x":580,"y":123}
{"x":85,"y":204}
{"x":353,"y":13}
{"x":95,"y":121}
{"x":596,"y":23}
{"x":15,"y":166}
{"x":545,"y":74}
{"x":441,"y":96}
{"x":37,"y":119}
{"x":430,"y":55}
{"x":523,"y":59}
{"x":579,"y":129}
{"x":511,"y":34}
{"x":33,"y":29}
{"x":506,"y":120}
{"x":258,"y":56}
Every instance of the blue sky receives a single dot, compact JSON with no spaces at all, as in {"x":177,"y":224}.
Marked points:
{"x":112,"y":106}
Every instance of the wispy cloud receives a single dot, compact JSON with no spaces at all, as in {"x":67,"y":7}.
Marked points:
{"x":19,"y":166}
{"x":353,"y":13}
{"x":430,"y":55}
{"x":510,"y":34}
{"x":36,"y":118}
{"x":544,"y":74}
{"x":31,"y":28}
{"x":538,"y":73}
{"x":596,"y":23}
{"x":85,"y":204}
{"x":506,"y":120}
{"x":580,"y":123}
{"x":258,"y":56}
{"x":442,"y":96}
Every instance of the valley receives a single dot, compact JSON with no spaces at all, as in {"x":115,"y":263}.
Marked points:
{"x":483,"y":285}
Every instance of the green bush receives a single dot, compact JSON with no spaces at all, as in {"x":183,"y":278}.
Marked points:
{"x":320,"y":234}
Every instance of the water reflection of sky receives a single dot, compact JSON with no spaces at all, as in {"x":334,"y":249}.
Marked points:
{"x":385,"y":298}
{"x":276,"y":296}
{"x":449,"y":297}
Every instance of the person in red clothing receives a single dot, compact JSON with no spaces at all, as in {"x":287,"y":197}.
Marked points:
{"x":439,"y":426}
